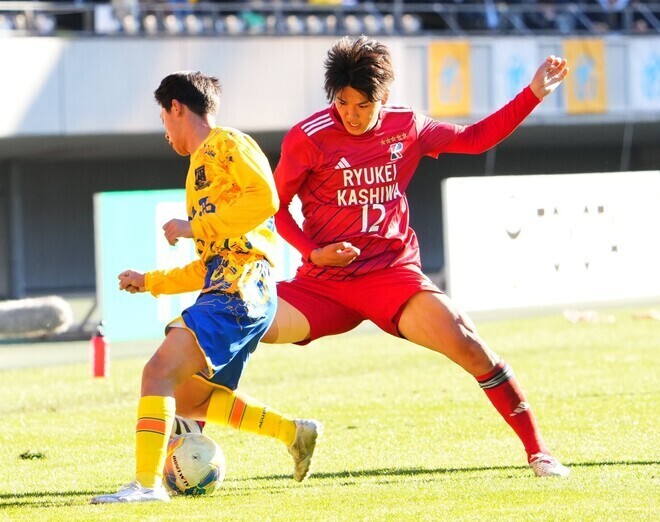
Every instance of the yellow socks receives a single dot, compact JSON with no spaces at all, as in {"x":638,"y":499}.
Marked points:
{"x":156,"y":416}
{"x":243,"y":413}
{"x":155,"y":419}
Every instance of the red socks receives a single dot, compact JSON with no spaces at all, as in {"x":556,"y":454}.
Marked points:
{"x":503,"y":390}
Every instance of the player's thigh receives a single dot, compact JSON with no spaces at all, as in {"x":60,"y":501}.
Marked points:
{"x":289,"y":326}
{"x":432,"y":320}
{"x":176,"y":359}
{"x":192,"y":397}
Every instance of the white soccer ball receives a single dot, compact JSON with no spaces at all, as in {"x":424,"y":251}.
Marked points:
{"x":195,"y":465}
{"x":184,"y":425}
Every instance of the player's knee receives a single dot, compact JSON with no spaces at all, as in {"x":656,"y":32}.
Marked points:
{"x":156,"y":370}
{"x":477,"y":357}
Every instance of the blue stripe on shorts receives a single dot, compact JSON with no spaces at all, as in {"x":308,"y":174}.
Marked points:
{"x":228,"y":327}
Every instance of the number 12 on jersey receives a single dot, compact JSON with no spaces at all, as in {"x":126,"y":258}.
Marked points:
{"x":373,"y":227}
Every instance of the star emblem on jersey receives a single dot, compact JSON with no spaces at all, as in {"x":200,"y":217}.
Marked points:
{"x":392,"y":139}
{"x":343,"y":164}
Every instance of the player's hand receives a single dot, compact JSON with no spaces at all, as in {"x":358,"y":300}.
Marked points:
{"x":334,"y":254}
{"x":176,"y":228}
{"x":548,"y":76}
{"x":131,"y":281}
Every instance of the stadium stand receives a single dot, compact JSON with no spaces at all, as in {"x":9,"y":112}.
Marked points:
{"x":330,"y":17}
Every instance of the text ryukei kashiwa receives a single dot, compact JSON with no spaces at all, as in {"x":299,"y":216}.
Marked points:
{"x":383,"y":186}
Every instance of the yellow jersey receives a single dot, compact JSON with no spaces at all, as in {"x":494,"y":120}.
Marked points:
{"x":230,"y":201}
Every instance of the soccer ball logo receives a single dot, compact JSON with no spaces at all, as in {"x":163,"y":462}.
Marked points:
{"x":195,"y":465}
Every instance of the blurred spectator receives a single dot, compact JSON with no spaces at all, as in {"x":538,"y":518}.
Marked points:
{"x":434,"y":20}
{"x":478,"y":15}
{"x":538,"y":15}
{"x":498,"y":16}
{"x":608,"y":17}
{"x":541,"y":15}
{"x":640,"y":24}
{"x":125,"y":7}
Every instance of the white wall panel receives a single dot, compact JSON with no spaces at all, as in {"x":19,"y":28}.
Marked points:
{"x":109,"y":85}
{"x":263,"y":79}
{"x":514,"y":62}
{"x":101,"y":85}
{"x":644,"y":75}
{"x":30,"y":85}
{"x":411,"y":86}
{"x":515,"y":242}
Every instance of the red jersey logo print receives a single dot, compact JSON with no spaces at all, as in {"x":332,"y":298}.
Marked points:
{"x":396,"y":151}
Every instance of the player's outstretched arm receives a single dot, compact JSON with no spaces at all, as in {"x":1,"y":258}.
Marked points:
{"x":548,"y":76}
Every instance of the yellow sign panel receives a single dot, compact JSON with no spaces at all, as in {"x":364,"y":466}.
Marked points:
{"x":449,"y":82}
{"x":586,"y":83}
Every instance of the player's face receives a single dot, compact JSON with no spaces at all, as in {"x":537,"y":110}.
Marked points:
{"x":357,"y":113}
{"x":172,"y":134}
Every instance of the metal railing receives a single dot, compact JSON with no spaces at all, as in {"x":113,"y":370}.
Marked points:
{"x":152,"y":18}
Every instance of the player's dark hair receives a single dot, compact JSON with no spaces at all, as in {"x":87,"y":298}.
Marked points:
{"x":363,"y":64}
{"x":197,"y":91}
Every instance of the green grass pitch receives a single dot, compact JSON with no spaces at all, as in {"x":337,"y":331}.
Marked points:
{"x":408,"y":435}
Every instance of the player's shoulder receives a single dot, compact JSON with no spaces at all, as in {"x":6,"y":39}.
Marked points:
{"x":232,"y":138}
{"x":319,"y":122}
{"x":398,"y":109}
{"x":407,"y":116}
{"x":398,"y":112}
{"x":228,"y":133}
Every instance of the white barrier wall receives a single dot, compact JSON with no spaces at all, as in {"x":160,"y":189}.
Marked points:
{"x":542,"y":241}
{"x":101,"y":85}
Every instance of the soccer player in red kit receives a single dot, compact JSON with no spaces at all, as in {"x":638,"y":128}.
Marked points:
{"x":350,"y":165}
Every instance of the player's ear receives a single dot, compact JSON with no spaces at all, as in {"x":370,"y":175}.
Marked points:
{"x":385,"y":97}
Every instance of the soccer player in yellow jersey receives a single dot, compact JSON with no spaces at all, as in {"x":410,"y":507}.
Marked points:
{"x":230,"y":201}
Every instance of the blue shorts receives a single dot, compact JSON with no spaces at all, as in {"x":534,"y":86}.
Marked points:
{"x":228,"y":327}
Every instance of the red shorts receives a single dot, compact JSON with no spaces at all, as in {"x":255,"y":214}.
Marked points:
{"x":334,"y":307}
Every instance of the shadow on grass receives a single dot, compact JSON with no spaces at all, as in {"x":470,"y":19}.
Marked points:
{"x":40,"y":499}
{"x":408,"y":472}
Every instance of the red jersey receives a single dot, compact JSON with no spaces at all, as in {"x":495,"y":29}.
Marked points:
{"x":352,"y":188}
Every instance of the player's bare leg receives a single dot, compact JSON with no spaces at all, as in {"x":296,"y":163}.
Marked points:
{"x":289,"y":325}
{"x":433,"y":321}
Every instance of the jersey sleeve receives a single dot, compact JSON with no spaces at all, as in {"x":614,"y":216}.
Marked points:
{"x":179,"y":280}
{"x":296,"y":161}
{"x":254,"y":199}
{"x":437,"y":137}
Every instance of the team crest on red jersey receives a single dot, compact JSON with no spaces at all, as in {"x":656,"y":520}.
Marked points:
{"x":396,"y":151}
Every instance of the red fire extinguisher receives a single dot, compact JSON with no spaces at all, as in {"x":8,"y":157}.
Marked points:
{"x":99,"y":353}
